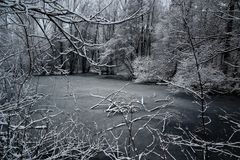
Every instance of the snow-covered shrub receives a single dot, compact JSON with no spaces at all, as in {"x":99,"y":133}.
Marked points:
{"x":147,"y":69}
{"x":187,"y":75}
{"x":118,"y":52}
{"x":144,"y":69}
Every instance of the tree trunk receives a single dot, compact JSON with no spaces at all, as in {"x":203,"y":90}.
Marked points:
{"x":229,"y":28}
{"x":142,"y":38}
{"x":61,"y":49}
{"x":71,"y":59}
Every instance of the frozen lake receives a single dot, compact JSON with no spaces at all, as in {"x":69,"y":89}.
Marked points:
{"x":75,"y":94}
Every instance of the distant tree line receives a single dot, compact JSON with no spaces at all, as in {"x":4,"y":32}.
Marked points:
{"x":115,"y":37}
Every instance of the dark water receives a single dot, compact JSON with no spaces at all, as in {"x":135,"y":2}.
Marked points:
{"x":73,"y":94}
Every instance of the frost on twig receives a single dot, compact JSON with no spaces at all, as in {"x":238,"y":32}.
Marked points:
{"x":137,"y":120}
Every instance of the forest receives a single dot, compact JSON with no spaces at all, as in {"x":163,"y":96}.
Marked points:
{"x":169,"y":50}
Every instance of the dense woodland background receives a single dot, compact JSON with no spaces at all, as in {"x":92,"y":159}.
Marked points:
{"x":192,"y":44}
{"x":146,"y":40}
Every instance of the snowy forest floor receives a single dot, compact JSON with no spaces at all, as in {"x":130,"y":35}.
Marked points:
{"x":75,"y":94}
